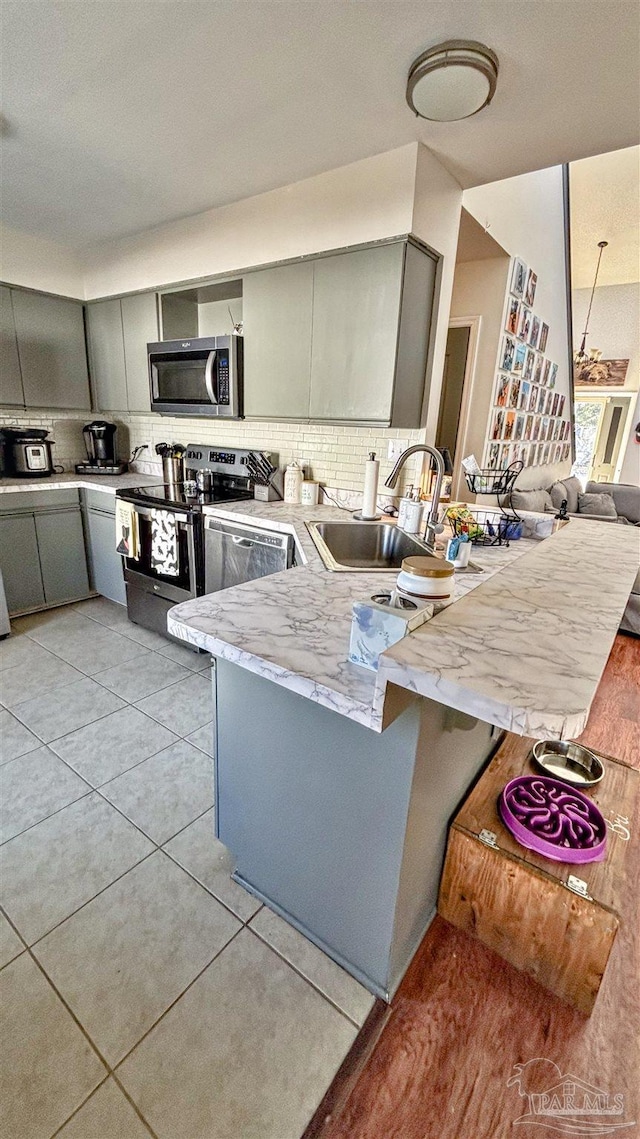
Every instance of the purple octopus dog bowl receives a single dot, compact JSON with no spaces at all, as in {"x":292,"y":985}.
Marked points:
{"x":553,"y":819}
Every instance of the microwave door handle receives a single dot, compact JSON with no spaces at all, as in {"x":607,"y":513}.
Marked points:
{"x":153,"y":376}
{"x":208,"y":376}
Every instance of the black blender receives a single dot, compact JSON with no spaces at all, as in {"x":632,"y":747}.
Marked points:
{"x":100,"y":442}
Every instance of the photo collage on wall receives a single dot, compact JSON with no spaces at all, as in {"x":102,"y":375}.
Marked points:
{"x":528,"y":415}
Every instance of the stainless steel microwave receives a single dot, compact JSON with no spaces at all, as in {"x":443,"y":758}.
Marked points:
{"x":200,"y":376}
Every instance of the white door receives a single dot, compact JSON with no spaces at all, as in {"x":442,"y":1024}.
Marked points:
{"x":600,"y":431}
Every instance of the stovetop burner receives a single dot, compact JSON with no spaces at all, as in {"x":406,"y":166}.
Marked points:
{"x":165,"y":494}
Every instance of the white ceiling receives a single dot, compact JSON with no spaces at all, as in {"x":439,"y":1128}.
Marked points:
{"x":123,"y":114}
{"x":605,"y":206}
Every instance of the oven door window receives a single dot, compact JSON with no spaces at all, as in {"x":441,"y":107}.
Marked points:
{"x":186,"y":577}
{"x":180,"y":378}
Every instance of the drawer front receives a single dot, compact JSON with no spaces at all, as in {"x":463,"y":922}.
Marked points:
{"x":17,"y":502}
{"x":100,"y":500}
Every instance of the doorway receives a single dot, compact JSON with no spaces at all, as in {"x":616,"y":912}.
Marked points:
{"x":455,"y":366}
{"x":456,"y":393}
{"x":600,"y":429}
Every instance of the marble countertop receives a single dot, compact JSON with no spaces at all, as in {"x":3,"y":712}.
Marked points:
{"x":69,"y":480}
{"x":523,"y":646}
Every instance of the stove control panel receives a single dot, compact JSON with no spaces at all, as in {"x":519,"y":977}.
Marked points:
{"x":221,"y":460}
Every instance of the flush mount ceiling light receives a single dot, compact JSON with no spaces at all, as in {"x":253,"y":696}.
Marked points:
{"x":453,"y":80}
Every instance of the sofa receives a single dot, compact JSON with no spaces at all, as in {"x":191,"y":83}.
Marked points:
{"x":592,"y":503}
{"x":623,"y":508}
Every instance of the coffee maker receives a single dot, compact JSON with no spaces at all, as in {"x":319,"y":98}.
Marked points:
{"x":100,"y":442}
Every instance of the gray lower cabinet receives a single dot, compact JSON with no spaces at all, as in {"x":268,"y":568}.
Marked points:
{"x":52,"y":350}
{"x":277,"y":315}
{"x":118,"y":334}
{"x":105,"y":565}
{"x":42,"y":549}
{"x":20,"y":563}
{"x":11,"y":392}
{"x":63,"y":561}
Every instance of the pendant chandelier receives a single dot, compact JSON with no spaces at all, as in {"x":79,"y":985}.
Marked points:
{"x":582,"y":357}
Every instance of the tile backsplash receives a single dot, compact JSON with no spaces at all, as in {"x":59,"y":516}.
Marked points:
{"x":336,"y":455}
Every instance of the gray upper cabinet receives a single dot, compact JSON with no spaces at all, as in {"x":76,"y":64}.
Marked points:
{"x":140,"y":327}
{"x":11,"y":393}
{"x":52,"y":350}
{"x":119,"y":331}
{"x":277,"y":313}
{"x":106,"y":355}
{"x":356,"y":307}
{"x":341,"y":338}
{"x":414,"y":336}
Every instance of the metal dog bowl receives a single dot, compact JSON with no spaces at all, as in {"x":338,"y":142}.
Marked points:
{"x":569,"y":762}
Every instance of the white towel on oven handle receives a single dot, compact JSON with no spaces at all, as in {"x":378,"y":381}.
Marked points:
{"x":164,"y":543}
{"x":127,"y":534}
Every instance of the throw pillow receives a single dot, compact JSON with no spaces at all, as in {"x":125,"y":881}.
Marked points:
{"x":558,"y":494}
{"x":602,"y":504}
{"x":573,"y":488}
{"x":536,"y":500}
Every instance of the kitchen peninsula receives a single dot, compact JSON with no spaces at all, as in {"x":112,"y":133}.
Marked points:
{"x":335,"y":786}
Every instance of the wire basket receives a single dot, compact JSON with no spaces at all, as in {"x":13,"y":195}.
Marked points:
{"x":488,"y":528}
{"x":489,"y":481}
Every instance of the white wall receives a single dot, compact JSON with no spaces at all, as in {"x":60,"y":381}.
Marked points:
{"x":614,"y":325}
{"x":214,"y":319}
{"x":405,"y":190}
{"x":526,"y":216}
{"x":478,"y":290}
{"x":39,"y":264}
{"x":361,"y":202}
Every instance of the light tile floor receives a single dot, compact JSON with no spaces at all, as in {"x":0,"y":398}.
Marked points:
{"x":142,"y":991}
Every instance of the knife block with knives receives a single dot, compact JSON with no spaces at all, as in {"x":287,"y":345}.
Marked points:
{"x":266,"y":475}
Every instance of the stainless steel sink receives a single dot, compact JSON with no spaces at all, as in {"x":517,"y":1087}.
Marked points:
{"x":351,"y":546}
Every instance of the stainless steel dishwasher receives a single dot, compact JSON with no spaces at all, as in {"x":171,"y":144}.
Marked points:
{"x":235,"y":552}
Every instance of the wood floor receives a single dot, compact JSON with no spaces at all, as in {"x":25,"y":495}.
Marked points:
{"x":463,"y":1018}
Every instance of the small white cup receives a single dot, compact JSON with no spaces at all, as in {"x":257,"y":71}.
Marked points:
{"x":309,"y":493}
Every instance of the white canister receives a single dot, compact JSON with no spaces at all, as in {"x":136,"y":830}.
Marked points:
{"x":426,"y":576}
{"x":309,"y":493}
{"x":293,"y":479}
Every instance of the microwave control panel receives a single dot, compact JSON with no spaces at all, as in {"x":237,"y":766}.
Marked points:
{"x":223,"y":379}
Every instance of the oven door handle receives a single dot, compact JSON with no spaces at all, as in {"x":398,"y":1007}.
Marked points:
{"x":208,"y":376}
{"x":147,"y":512}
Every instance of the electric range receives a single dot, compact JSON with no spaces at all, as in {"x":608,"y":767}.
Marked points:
{"x":165,"y":517}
